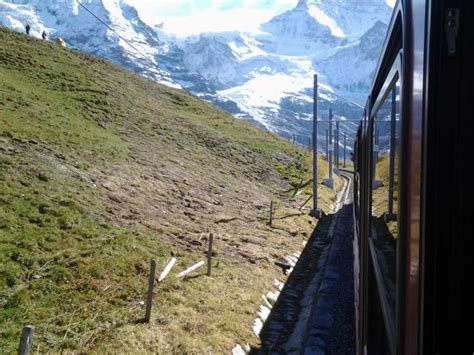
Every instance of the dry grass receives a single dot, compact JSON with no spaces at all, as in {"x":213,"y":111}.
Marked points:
{"x":380,"y":195}
{"x":102,"y":170}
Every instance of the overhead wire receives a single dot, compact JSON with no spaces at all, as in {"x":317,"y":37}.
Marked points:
{"x":145,"y":56}
{"x":153,"y":64}
{"x":348,"y":100}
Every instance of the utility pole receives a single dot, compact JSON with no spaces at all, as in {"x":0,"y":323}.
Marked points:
{"x":375,"y":156}
{"x":390,"y":216}
{"x":337,"y":144}
{"x":315,"y":212}
{"x":345,"y":148}
{"x":329,"y":182}
{"x":331,"y":148}
{"x":374,"y":144}
{"x":327,"y":145}
{"x":377,"y":142}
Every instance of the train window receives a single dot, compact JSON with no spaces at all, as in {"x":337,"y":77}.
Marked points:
{"x":385,"y":179}
{"x":386,"y":153}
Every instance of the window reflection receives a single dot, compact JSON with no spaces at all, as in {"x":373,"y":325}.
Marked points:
{"x":386,"y":153}
{"x":383,"y":241}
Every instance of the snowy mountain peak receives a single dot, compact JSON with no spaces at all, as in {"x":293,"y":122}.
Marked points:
{"x":302,"y":4}
{"x":353,"y":17}
{"x":300,"y":31}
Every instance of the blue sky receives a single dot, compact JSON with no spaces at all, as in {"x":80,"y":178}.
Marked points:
{"x":183,"y":17}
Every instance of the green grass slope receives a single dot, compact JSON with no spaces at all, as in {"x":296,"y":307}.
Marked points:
{"x":102,"y":170}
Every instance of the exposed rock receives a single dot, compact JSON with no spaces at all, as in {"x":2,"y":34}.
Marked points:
{"x":43,"y":177}
{"x":115,"y":198}
{"x":225,"y":219}
{"x":195,"y":242}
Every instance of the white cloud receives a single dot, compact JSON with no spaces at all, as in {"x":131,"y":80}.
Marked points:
{"x":212,"y":20}
{"x":183,"y":17}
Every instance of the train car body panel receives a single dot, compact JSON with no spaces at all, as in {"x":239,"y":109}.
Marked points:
{"x":448,"y":193}
{"x":411,"y":289}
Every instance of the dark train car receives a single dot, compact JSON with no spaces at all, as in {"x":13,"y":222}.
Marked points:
{"x":413,"y":186}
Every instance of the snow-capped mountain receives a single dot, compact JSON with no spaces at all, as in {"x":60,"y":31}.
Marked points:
{"x":265,"y":77}
{"x":269,"y":75}
{"x":354,"y":81}
{"x":298,"y":32}
{"x":213,"y":58}
{"x":76,"y":25}
{"x":350,"y":18}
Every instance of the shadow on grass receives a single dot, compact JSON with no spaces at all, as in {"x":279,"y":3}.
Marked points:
{"x":288,"y":216}
{"x":192,"y":277}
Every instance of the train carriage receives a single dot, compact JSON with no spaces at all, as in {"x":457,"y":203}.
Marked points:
{"x":412,"y":194}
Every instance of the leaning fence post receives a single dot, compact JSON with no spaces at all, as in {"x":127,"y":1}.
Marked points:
{"x":167,"y":269}
{"x":26,"y":340}
{"x":190,"y":269}
{"x":151,"y":283}
{"x":304,"y":204}
{"x":209,"y":255}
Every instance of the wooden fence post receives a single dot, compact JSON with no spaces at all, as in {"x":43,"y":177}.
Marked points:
{"x":26,"y":340}
{"x":271,"y":212}
{"x":151,"y":283}
{"x":209,"y":255}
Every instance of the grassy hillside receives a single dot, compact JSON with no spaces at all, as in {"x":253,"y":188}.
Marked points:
{"x":102,"y":170}
{"x":380,"y":195}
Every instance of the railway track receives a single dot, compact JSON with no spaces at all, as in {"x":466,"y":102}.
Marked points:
{"x":315,"y":310}
{"x":345,"y":196}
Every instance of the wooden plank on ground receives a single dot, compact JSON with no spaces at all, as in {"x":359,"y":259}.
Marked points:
{"x":191,"y":269}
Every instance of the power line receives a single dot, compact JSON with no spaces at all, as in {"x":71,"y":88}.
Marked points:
{"x":346,"y":99}
{"x":121,"y":37}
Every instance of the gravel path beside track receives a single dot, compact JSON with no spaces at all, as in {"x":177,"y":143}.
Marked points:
{"x":315,"y":311}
